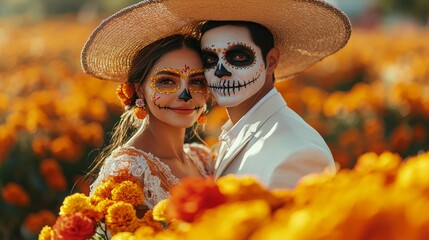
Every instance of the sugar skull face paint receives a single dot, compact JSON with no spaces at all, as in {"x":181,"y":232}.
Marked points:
{"x":234,"y":66}
{"x":169,"y":80}
{"x":176,"y":90}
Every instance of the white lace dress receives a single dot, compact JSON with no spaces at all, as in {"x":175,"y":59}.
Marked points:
{"x":154,"y":175}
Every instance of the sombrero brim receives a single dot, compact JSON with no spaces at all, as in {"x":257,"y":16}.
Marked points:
{"x":305,"y":31}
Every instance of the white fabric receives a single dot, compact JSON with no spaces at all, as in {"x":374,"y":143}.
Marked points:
{"x":137,"y":165}
{"x":230,"y":131}
{"x":275,"y":145}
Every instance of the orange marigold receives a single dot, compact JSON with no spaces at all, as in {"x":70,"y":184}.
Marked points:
{"x":121,"y":217}
{"x":14,"y":194}
{"x":148,"y":220}
{"x":35,"y":221}
{"x":192,"y":196}
{"x":129,"y":192}
{"x":245,"y":189}
{"x":74,"y":226}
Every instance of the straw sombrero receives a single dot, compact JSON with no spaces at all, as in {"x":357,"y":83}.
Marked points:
{"x":305,"y":31}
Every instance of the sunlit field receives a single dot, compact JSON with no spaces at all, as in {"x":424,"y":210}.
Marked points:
{"x":370,"y":101}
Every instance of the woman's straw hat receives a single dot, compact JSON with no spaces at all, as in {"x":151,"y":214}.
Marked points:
{"x":305,"y":31}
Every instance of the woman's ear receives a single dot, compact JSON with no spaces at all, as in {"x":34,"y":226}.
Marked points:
{"x":272,"y":60}
{"x":138,"y":90}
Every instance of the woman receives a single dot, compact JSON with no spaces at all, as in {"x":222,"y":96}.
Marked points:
{"x":166,"y":81}
{"x":165,"y":93}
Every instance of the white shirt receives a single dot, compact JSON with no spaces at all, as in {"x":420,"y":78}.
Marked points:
{"x":231,"y":131}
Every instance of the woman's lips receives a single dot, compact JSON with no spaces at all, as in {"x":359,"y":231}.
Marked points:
{"x":183,"y":111}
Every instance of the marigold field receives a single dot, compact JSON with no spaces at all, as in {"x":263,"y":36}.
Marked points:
{"x":369,"y":100}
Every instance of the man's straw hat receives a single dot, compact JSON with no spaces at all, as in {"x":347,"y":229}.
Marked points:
{"x":305,"y":31}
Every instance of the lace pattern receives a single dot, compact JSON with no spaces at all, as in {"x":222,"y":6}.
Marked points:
{"x":154,"y":175}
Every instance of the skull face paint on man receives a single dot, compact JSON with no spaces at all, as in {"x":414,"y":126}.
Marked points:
{"x":176,"y":91}
{"x":233,"y":63}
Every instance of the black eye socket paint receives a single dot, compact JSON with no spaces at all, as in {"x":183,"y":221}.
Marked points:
{"x":240,"y":56}
{"x":210,"y":58}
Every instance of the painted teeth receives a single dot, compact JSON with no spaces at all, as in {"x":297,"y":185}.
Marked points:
{"x":225,"y":87}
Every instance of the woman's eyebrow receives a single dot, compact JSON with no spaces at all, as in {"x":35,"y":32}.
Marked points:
{"x":168,"y":73}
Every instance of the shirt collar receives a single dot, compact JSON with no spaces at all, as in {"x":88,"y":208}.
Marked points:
{"x":231,"y":131}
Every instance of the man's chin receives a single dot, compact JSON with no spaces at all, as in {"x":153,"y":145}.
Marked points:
{"x":227,"y":102}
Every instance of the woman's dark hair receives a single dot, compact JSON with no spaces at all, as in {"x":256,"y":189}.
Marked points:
{"x":141,"y":66}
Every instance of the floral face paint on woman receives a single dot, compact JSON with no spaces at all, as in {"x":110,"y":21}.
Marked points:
{"x":233,"y":63}
{"x":176,"y":92}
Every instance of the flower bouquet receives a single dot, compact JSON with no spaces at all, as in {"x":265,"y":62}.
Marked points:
{"x":383,"y":197}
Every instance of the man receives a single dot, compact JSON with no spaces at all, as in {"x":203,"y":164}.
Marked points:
{"x":263,"y":136}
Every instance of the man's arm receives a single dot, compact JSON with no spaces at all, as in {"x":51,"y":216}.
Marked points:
{"x":299,"y":164}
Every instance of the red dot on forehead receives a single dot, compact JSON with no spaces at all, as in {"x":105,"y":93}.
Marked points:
{"x":219,"y":50}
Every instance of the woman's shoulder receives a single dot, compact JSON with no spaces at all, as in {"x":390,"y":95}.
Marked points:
{"x":199,"y":149}
{"x":127,"y":150}
{"x":203,"y":154}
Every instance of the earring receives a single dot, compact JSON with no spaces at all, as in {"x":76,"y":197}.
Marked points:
{"x":139,"y":110}
{"x":202,"y":119}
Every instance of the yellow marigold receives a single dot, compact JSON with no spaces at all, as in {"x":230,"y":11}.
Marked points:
{"x":245,"y":188}
{"x":414,"y":173}
{"x":148,"y":220}
{"x":104,"y":190}
{"x":159,"y":212}
{"x":121,"y":217}
{"x":103,"y":205}
{"x":143,"y":232}
{"x":231,"y":221}
{"x":124,"y":236}
{"x":46,"y":233}
{"x":78,"y":202}
{"x":385,"y":163}
{"x":129,"y":192}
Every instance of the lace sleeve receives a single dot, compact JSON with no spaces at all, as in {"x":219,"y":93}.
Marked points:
{"x":204,"y":156}
{"x":145,"y":167}
{"x":117,"y":164}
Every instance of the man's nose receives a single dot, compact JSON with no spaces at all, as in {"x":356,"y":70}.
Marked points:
{"x":221,"y":71}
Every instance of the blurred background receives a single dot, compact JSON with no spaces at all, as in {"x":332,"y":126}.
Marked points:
{"x":372,"y":96}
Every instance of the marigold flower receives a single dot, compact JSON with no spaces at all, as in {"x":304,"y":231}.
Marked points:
{"x":124,"y":236}
{"x":245,"y":188}
{"x":14,"y":194}
{"x":52,"y":174}
{"x":414,"y":173}
{"x":128,"y":90}
{"x":104,"y":190}
{"x":233,"y":221}
{"x":46,"y":233}
{"x":7,"y":140}
{"x":144,"y":232}
{"x":64,"y":148}
{"x":148,"y":220}
{"x":35,"y":221}
{"x":129,"y":192}
{"x":40,"y":145}
{"x":159,"y":211}
{"x":91,"y":134}
{"x":189,"y":200}
{"x":103,"y":205}
{"x":74,"y":226}
{"x":386,"y":163}
{"x":121,"y":217}
{"x":97,"y":111}
{"x":78,"y":202}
